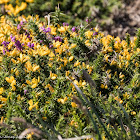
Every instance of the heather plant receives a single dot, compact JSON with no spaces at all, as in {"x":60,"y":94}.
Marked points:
{"x":59,"y":81}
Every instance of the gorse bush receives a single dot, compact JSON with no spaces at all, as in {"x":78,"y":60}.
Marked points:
{"x":65,"y":81}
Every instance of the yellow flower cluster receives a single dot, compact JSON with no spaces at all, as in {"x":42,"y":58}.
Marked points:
{"x":123,"y":51}
{"x":15,"y":10}
{"x":12,"y":81}
{"x":4,"y":1}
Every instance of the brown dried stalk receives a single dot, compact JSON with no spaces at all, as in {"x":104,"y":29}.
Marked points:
{"x":23,"y":121}
{"x":5,"y":126}
{"x":79,"y":104}
{"x":88,"y":79}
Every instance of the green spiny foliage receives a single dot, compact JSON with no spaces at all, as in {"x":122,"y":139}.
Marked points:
{"x":138,"y":39}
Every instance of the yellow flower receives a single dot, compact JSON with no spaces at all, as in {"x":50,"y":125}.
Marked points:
{"x":102,"y":86}
{"x":126,"y":95}
{"x":11,"y":80}
{"x":8,"y":79}
{"x":88,"y":34}
{"x":28,"y":82}
{"x":67,"y":73}
{"x":73,"y":46}
{"x":4,"y":1}
{"x":61,"y":29}
{"x":53,"y":30}
{"x":106,"y":57}
{"x":14,"y":61}
{"x":118,"y":99}
{"x":83,"y":64}
{"x":3,"y":99}
{"x":76,"y":82}
{"x":72,"y":122}
{"x":1,"y":105}
{"x":30,"y":1}
{"x":121,"y":75}
{"x":32,"y":105}
{"x":71,"y":58}
{"x":34,"y":83}
{"x":51,"y":54}
{"x":103,"y":137}
{"x":1,"y":90}
{"x":62,"y":101}
{"x":87,"y":43}
{"x":73,"y":104}
{"x":133,"y":113}
{"x":13,"y":88}
{"x":113,"y":62}
{"x":35,"y":67}
{"x":28,"y":66}
{"x":29,"y":136}
{"x":65,"y":61}
{"x":2,"y":119}
{"x":23,"y":6}
{"x":106,"y":86}
{"x":136,"y":64}
{"x":19,"y":97}
{"x":17,"y":73}
{"x":44,"y":118}
{"x":50,"y":87}
{"x":96,"y":29}
{"x":1,"y":59}
{"x":77,"y":63}
{"x":52,"y":75}
{"x":83,"y":83}
{"x":128,"y":57}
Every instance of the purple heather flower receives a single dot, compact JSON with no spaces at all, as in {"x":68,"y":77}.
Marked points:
{"x":73,"y":29}
{"x":13,"y":38}
{"x":48,"y":29}
{"x":22,"y":22}
{"x":5,"y":46}
{"x":45,"y":30}
{"x":50,"y":46}
{"x":28,"y":35}
{"x":30,"y":45}
{"x":42,"y":28}
{"x":19,"y":27}
{"x":95,"y":33}
{"x":41,"y":41}
{"x":7,"y":50}
{"x":88,"y":20}
{"x":25,"y":91}
{"x":65,"y":24}
{"x":58,"y":38}
{"x":5,"y":43}
{"x":3,"y":51}
{"x":18,"y":45}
